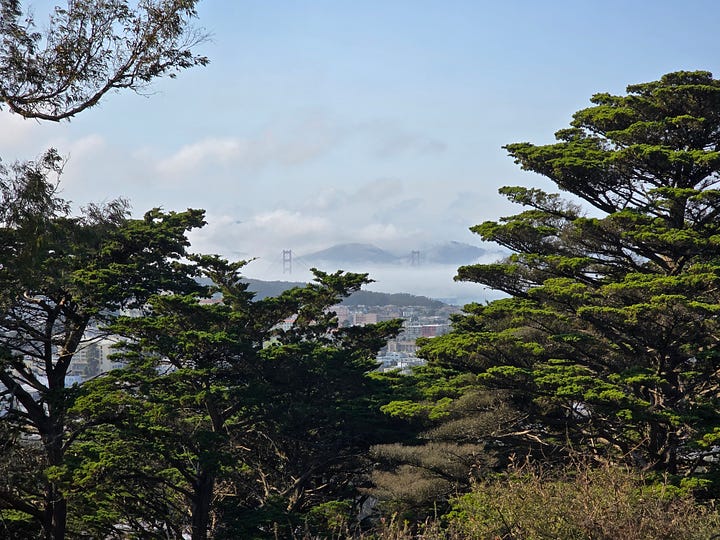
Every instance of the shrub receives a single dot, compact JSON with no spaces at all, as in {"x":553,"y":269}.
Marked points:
{"x":580,"y":502}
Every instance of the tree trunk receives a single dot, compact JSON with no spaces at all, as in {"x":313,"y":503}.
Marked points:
{"x":201,"y":503}
{"x":55,"y":515}
{"x":56,"y":503}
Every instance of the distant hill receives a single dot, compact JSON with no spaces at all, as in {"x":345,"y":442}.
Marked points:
{"x":450,"y":253}
{"x":351,"y":253}
{"x":370,"y":298}
{"x":456,"y":253}
{"x":263,"y":289}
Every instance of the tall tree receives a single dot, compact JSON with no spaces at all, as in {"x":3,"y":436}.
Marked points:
{"x":61,"y":278}
{"x":609,"y":339}
{"x":89,"y":48}
{"x":230,"y":408}
{"x":61,"y":275}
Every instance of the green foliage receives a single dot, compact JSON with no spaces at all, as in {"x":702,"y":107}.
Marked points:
{"x":61,"y":278}
{"x":220,"y":409}
{"x":465,"y":436}
{"x":609,"y":336}
{"x":330,"y":517}
{"x":61,"y":275}
{"x":607,"y":345}
{"x":17,"y":525}
{"x":579,"y":503}
{"x":230,"y":411}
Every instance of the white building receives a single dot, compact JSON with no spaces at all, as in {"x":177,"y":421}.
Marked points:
{"x":94,"y":357}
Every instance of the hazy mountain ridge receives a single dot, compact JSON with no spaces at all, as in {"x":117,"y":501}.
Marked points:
{"x":352,"y":253}
{"x":264,"y":289}
{"x":455,"y":253}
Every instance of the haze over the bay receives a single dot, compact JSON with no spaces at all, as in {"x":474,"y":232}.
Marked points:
{"x":321,"y":123}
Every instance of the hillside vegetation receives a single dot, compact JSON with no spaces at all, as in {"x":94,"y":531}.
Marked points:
{"x":583,"y":405}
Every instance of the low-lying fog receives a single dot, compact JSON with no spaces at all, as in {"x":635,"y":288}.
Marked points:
{"x":434,"y":281}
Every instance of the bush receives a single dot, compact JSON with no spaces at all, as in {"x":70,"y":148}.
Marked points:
{"x":610,"y":503}
{"x":578,"y":502}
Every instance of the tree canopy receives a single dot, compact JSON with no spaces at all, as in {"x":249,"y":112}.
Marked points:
{"x":88,"y":48}
{"x":62,"y":278}
{"x":607,"y":344}
{"x":237,"y":416}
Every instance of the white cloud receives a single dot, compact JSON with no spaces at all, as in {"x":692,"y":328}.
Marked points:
{"x":261,"y":235}
{"x":284,"y":146}
{"x":23,"y":139}
{"x":386,"y":232}
{"x":326,"y":200}
{"x":289,"y":223}
{"x":83,"y":148}
{"x":192,"y":155}
{"x":14,"y":128}
{"x":295,"y":142}
{"x":382,"y":189}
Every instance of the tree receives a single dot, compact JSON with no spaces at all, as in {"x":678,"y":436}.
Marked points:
{"x":63,"y":275}
{"x":608,"y":342}
{"x":61,"y":278}
{"x":229,"y":417}
{"x":88,"y":49}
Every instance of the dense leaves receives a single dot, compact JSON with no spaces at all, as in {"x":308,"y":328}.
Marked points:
{"x":608,"y":342}
{"x":238,"y":411}
{"x":61,"y":278}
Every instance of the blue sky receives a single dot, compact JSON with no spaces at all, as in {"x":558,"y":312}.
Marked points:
{"x":320,"y":122}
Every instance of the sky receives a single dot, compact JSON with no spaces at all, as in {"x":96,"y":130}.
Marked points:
{"x":381,"y":121}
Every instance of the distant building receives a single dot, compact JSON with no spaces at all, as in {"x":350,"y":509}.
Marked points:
{"x":361,"y":319}
{"x":398,"y":361}
{"x":433,"y":330}
{"x":344,"y":315}
{"x":287,"y":323}
{"x":93,"y":358}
